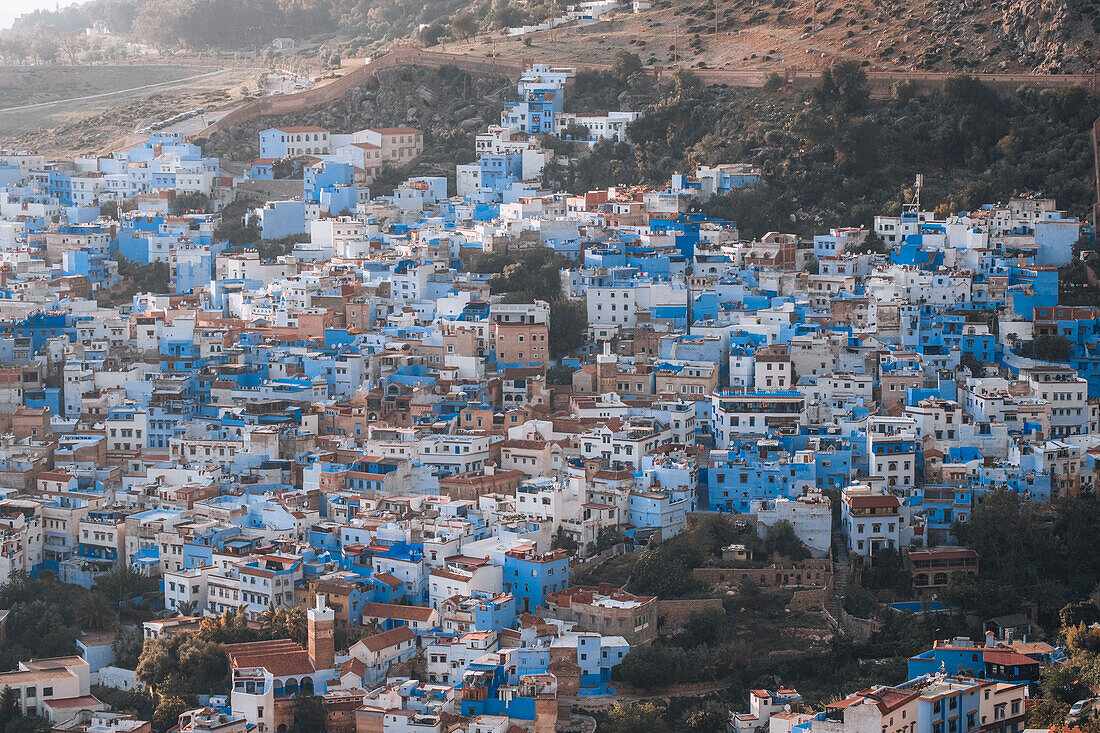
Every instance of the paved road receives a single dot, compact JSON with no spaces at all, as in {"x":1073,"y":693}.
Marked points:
{"x":118,"y":91}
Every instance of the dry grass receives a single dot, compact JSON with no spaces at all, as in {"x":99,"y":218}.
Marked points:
{"x":21,"y":85}
{"x":776,"y":34}
{"x":93,"y":125}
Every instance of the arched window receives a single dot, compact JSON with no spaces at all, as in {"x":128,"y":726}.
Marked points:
{"x":307,"y":686}
{"x":291,"y":688}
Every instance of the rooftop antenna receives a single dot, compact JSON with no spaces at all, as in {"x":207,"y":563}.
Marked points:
{"x":913,"y":207}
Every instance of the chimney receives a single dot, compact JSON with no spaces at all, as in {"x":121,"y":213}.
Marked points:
{"x":989,"y":639}
{"x":321,"y":625}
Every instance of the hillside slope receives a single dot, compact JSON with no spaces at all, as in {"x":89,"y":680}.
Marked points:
{"x":1043,"y":36}
{"x":1048,"y":36}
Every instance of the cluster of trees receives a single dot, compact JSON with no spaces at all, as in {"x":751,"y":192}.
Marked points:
{"x":486,"y":17}
{"x":610,"y":88}
{"x":235,"y":226}
{"x":535,"y":274}
{"x":252,"y":24}
{"x":46,"y":615}
{"x":1048,"y":554}
{"x":1076,"y":283}
{"x":12,"y":718}
{"x":731,"y":643}
{"x":833,"y":156}
{"x":1045,"y":553}
{"x":1061,"y":685}
{"x":664,"y":569}
{"x":46,"y":48}
{"x":180,"y":667}
{"x":1047,"y":347}
{"x":223,"y":24}
{"x":193,"y":201}
{"x":154,"y":277}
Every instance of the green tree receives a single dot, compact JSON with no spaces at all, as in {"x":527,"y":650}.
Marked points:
{"x":95,"y":611}
{"x":887,"y":572}
{"x":560,"y":374}
{"x":645,"y":667}
{"x":168,"y":713}
{"x":568,"y":326}
{"x":871,"y":244}
{"x":638,"y":717}
{"x":781,"y":539}
{"x":575,"y":131}
{"x":842,"y":88}
{"x":1081,"y":639}
{"x":154,"y":277}
{"x":190,"y":201}
{"x":184,"y":664}
{"x":705,"y":627}
{"x":625,"y":64}
{"x":125,"y":584}
{"x":289,"y":623}
{"x":707,"y":716}
{"x":309,"y":715}
{"x":1048,"y":347}
{"x":464,"y":25}
{"x":127,"y":648}
{"x":971,"y":362}
{"x":563,"y":541}
{"x":10,"y":709}
{"x":657,"y":574}
{"x":1078,"y":613}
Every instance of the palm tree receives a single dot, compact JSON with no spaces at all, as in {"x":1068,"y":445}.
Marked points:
{"x":187,"y":608}
{"x":95,"y":611}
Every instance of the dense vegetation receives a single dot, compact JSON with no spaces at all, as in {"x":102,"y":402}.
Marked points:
{"x":1047,"y":554}
{"x":152,"y":277}
{"x":46,"y":615}
{"x":252,"y":24}
{"x":536,"y":275}
{"x":12,"y":719}
{"x":834,"y":156}
{"x":180,"y":667}
{"x":752,"y":640}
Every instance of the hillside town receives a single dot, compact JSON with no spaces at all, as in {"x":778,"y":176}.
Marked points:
{"x":417,"y":430}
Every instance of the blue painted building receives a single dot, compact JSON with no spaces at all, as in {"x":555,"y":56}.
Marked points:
{"x":530,"y":577}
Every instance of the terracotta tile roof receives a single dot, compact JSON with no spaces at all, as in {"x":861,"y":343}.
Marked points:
{"x":394,"y":611}
{"x":1007,"y":658}
{"x":386,"y":579}
{"x":877,"y":501}
{"x":280,"y":657}
{"x":387,"y":639}
{"x":353,"y":666}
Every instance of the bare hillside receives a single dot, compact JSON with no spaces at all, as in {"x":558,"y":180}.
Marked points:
{"x":1047,"y":36}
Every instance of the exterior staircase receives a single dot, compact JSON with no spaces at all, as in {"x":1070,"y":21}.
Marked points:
{"x":841,"y":574}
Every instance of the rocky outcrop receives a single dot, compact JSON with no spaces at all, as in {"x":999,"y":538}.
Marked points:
{"x":1042,"y":31}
